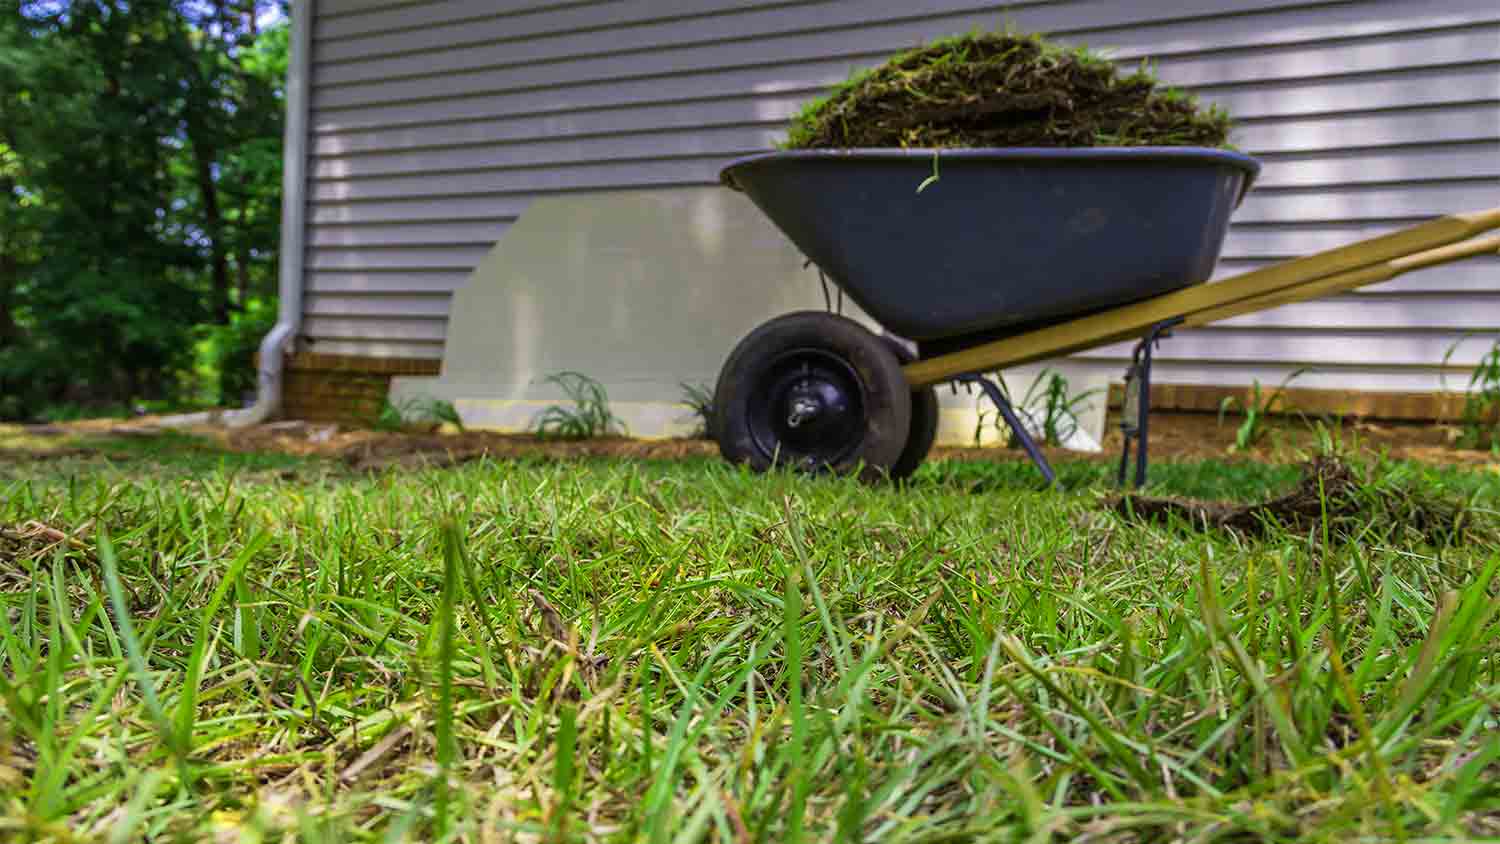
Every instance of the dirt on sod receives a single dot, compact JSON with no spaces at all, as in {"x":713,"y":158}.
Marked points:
{"x":1004,"y":90}
{"x":1332,"y":495}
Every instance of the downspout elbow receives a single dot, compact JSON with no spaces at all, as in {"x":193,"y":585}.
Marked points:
{"x":271,"y":370}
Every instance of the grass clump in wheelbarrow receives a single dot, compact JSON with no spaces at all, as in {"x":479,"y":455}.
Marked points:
{"x":1004,"y":90}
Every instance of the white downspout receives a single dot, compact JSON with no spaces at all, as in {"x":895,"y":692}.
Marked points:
{"x":293,"y":222}
{"x":293,"y":237}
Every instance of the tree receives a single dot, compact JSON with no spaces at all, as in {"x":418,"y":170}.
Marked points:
{"x":141,"y":178}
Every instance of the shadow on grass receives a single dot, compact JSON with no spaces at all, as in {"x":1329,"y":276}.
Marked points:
{"x":179,"y":451}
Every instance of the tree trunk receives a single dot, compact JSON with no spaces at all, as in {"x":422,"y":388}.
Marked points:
{"x":10,"y":332}
{"x":10,"y":271}
{"x":199,"y":107}
{"x":213,"y":226}
{"x":242,"y":264}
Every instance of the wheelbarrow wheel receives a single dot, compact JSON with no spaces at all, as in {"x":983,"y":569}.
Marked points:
{"x":924,"y":421}
{"x":816,"y":392}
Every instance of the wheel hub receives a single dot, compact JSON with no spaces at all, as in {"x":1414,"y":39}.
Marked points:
{"x":809,"y":409}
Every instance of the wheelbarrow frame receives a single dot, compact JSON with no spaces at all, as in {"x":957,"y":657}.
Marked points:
{"x":1372,"y":261}
{"x":1321,"y":274}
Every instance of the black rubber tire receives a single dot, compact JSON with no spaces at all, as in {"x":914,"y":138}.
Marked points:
{"x":924,"y":421}
{"x":867,"y":428}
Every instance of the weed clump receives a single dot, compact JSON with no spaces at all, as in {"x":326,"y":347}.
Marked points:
{"x":1004,"y":90}
{"x":590,"y":415}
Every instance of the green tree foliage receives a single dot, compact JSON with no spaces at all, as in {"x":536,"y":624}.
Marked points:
{"x":140,"y":181}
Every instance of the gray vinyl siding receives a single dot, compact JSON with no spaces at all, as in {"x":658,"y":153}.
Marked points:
{"x":435,"y":124}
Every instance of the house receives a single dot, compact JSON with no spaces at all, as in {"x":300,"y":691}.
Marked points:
{"x":421,"y":134}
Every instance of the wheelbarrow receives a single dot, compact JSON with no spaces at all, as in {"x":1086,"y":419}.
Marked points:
{"x":987,"y":259}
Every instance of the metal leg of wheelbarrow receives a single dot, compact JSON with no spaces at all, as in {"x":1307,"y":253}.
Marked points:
{"x":1135,"y":416}
{"x":1001,"y":404}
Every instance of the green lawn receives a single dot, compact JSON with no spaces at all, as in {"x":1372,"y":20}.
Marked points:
{"x":201,"y":646}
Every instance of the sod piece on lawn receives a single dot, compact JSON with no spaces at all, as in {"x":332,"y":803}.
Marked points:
{"x":1004,"y":90}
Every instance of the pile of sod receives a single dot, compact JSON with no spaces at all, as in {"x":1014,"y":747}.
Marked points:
{"x":1004,"y":90}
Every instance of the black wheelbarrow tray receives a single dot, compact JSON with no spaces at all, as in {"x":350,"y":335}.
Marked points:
{"x":991,"y":258}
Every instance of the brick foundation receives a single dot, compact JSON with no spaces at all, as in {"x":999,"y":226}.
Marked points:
{"x":1395,"y":407}
{"x":343,"y":389}
{"x":351,"y":391}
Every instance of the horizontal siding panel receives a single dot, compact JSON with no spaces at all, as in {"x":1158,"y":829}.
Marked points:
{"x":436,"y":26}
{"x":432,"y":28}
{"x":1388,"y":91}
{"x":377,"y":348}
{"x":1432,"y":199}
{"x":1290,"y":240}
{"x":355,"y":328}
{"x":605,"y":119}
{"x":399,"y":281}
{"x":421,"y":209}
{"x":773,"y":94}
{"x":370,"y":20}
{"x":1269,"y":63}
{"x":633,"y":27}
{"x":1391,"y":89}
{"x":1329,"y":347}
{"x":1362,"y":377}
{"x":328,"y":10}
{"x":1453,"y":124}
{"x":725,"y":142}
{"x":681,"y":171}
{"x":1473,"y":312}
{"x":403,"y":305}
{"x":1279,"y":23}
{"x":873,"y":42}
{"x":1470,"y":276}
{"x":514,"y":43}
{"x":451,"y":233}
{"x":1479,"y":160}
{"x":404,"y":258}
{"x":1394,"y":379}
{"x":1474,"y":275}
{"x":852,"y":46}
{"x":758,"y":82}
{"x":733,"y":39}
